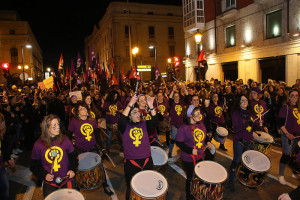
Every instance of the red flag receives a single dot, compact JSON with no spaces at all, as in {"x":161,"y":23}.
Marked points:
{"x":114,"y":80}
{"x":61,"y":62}
{"x":133,"y":73}
{"x":107,"y":75}
{"x":201,"y":56}
{"x":67,"y":73}
{"x":123,"y":76}
{"x":112,"y":66}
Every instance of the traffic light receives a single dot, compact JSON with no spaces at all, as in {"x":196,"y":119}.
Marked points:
{"x":5,"y":67}
{"x":176,"y":61}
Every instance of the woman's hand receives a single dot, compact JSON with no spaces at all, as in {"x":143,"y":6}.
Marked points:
{"x":209,"y":145}
{"x":266,"y":130}
{"x":284,"y":196}
{"x":71,"y":174}
{"x":132,"y":101}
{"x":49,"y":177}
{"x":290,"y":136}
{"x":195,"y":152}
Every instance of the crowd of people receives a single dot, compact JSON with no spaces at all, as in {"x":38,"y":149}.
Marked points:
{"x":58,"y":127}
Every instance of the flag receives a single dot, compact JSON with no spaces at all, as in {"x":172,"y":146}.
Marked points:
{"x":79,"y":61}
{"x":92,"y":58}
{"x":157,"y":72}
{"x":123,"y":75}
{"x":114,"y":80}
{"x":87,"y":75}
{"x":72,"y":68}
{"x":133,"y":73}
{"x":103,"y":74}
{"x":61,"y":62}
{"x":201,"y":56}
{"x":67,"y":73}
{"x":112,"y":66}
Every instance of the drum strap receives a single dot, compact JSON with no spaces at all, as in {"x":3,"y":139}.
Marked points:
{"x":193,"y":156}
{"x":137,"y":165}
{"x":152,"y":140}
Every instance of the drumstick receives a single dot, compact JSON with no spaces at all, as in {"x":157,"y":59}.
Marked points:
{"x":110,"y":159}
{"x":53,"y":154}
{"x":136,"y":87}
{"x":59,"y":180}
{"x":261,"y":115}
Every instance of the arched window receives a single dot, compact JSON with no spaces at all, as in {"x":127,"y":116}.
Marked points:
{"x":14,"y":56}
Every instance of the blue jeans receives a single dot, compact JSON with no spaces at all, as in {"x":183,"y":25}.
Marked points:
{"x":4,"y":191}
{"x":173,"y":138}
{"x":109,"y":136}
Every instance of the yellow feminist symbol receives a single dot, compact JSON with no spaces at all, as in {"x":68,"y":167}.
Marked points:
{"x":218,"y":111}
{"x":92,"y":115}
{"x":136,"y":134}
{"x":113,"y":109}
{"x":162,"y":109}
{"x":50,"y":156}
{"x":73,"y":111}
{"x":296,"y":114}
{"x":178,"y":109}
{"x":198,"y":137}
{"x":148,"y":117}
{"x":258,"y":109}
{"x":249,"y":128}
{"x":87,"y":130}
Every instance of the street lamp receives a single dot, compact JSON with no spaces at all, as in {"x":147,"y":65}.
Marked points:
{"x":154,"y":69}
{"x":28,"y":46}
{"x":135,"y":50}
{"x":48,"y":69}
{"x":198,"y":37}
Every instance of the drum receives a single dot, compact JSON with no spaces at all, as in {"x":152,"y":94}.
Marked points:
{"x":69,"y":194}
{"x":148,"y":184}
{"x":208,"y":181}
{"x":263,"y":142}
{"x":253,"y":168}
{"x":159,"y":157}
{"x":294,"y":163}
{"x":221,"y":132}
{"x":90,"y":174}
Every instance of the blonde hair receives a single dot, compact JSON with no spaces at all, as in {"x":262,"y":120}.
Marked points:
{"x":45,"y":137}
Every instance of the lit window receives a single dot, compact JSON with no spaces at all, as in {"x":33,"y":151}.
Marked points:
{"x":230,"y":4}
{"x":274,"y":24}
{"x":230,"y":36}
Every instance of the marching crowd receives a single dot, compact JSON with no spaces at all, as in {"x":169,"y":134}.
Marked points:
{"x":58,"y":127}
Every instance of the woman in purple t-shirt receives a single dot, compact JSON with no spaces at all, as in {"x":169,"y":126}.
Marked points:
{"x":289,"y":123}
{"x":191,"y":139}
{"x":53,"y":156}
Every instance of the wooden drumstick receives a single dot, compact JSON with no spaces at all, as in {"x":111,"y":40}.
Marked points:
{"x":110,"y":159}
{"x":53,"y":154}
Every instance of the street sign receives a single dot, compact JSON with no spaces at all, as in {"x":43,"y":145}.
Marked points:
{"x":21,"y":76}
{"x":144,"y":66}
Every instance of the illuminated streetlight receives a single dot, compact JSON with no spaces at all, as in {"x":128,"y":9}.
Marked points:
{"x":198,"y":38}
{"x":26,"y":66}
{"x":48,"y":69}
{"x":19,"y":67}
{"x":169,"y":60}
{"x":28,"y":46}
{"x":135,"y":50}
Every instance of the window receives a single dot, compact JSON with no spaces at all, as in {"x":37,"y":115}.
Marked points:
{"x":150,"y":13}
{"x":127,"y":51}
{"x":230,"y":4}
{"x":12,"y":32}
{"x":274,"y":24}
{"x":152,"y":52}
{"x":151,"y":32}
{"x":230,"y":36}
{"x":172,"y":51}
{"x":14,"y":56}
{"x":126,"y":32}
{"x":171,"y":32}
{"x":170,"y":14}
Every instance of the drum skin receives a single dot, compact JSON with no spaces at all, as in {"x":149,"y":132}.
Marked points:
{"x":159,"y":157}
{"x":69,"y":194}
{"x":88,"y":179}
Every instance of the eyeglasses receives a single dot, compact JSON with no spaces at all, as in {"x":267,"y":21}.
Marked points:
{"x":55,"y":126}
{"x":135,"y":112}
{"x":294,"y":95}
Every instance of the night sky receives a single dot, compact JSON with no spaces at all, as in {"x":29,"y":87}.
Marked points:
{"x":61,"y":26}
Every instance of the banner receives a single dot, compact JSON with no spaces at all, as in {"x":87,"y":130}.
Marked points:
{"x":48,"y":82}
{"x":41,"y":85}
{"x":77,"y":94}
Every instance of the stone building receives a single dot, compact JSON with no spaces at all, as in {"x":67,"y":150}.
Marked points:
{"x":15,"y":34}
{"x":159,"y":26}
{"x":242,"y":39}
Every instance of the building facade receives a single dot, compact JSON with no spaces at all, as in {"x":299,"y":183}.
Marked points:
{"x":15,"y":34}
{"x":128,"y":25}
{"x":243,"y":39}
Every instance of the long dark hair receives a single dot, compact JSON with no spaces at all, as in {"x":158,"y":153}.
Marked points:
{"x":237,"y":103}
{"x":82,"y":104}
{"x":288,"y":99}
{"x":111,"y":97}
{"x":45,"y":137}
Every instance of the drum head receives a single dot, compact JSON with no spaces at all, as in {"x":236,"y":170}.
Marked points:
{"x":222,"y":131}
{"x":256,"y":161}
{"x":149,"y":184}
{"x":88,"y":160}
{"x":263,"y":137}
{"x":211,"y":172}
{"x":159,"y":156}
{"x":69,"y":194}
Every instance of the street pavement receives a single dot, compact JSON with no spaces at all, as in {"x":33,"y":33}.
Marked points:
{"x":24,"y":186}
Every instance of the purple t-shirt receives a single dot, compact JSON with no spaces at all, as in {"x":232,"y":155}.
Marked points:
{"x":136,"y":141}
{"x":84,"y":133}
{"x":215,"y":113}
{"x":292,"y":119}
{"x":176,"y":113}
{"x":163,"y":107}
{"x":256,"y":108}
{"x":61,"y":160}
{"x":193,"y":136}
{"x":113,"y":109}
{"x":242,"y":126}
